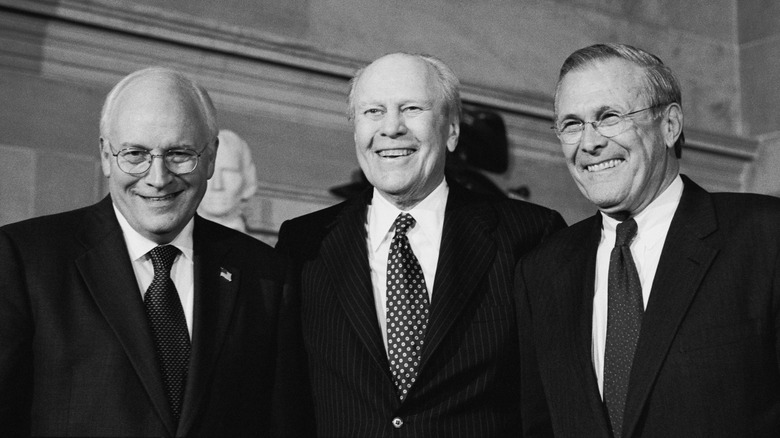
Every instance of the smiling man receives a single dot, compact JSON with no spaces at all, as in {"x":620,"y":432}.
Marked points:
{"x":660,"y":315}
{"x":407,"y":305}
{"x":134,"y":316}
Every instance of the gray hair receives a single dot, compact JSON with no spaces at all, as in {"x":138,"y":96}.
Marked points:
{"x":663,"y":87}
{"x":206,"y":106}
{"x":449,"y":85}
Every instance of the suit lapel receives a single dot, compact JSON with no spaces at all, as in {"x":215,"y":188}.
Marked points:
{"x":684,"y":261}
{"x":216,"y":290}
{"x":572,"y":287}
{"x":583,"y":277}
{"x":467,"y":251}
{"x":345,"y":257}
{"x":108,"y":274}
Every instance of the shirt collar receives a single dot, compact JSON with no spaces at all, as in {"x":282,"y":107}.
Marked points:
{"x":138,"y":246}
{"x":428,"y":214}
{"x":657,"y":214}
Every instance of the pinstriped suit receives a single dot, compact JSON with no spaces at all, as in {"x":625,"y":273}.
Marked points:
{"x":467,"y":383}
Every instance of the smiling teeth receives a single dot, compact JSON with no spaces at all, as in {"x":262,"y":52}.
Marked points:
{"x":159,"y":198}
{"x":603,"y":166}
{"x":391,"y":153}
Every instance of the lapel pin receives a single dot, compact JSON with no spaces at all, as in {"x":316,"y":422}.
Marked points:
{"x":225,"y":274}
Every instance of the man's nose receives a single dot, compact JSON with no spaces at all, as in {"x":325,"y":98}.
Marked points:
{"x":158,"y":174}
{"x":591,"y":139}
{"x":393,"y":124}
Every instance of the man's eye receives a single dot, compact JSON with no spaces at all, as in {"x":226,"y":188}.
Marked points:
{"x":412,"y":109}
{"x":372,"y":111}
{"x":135,"y":155}
{"x":609,"y":119}
{"x":179,"y":155}
{"x":570,"y":126}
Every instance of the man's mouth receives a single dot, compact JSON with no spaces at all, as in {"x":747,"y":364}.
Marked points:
{"x":161,"y":198}
{"x":395,"y":153}
{"x":604,"y":165}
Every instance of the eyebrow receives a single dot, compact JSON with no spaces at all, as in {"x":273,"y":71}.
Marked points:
{"x":378,"y":102}
{"x":140,"y":146}
{"x":599,"y":111}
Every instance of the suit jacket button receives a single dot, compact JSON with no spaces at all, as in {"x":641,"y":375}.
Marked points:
{"x":398,"y":422}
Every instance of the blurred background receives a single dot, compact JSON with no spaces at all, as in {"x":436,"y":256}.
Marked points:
{"x":278,"y":72}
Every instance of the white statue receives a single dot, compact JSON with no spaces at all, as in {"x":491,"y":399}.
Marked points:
{"x":234,"y":182}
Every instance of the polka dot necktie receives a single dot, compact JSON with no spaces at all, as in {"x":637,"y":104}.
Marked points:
{"x":169,"y":327}
{"x":624,"y":321}
{"x":407,"y":307}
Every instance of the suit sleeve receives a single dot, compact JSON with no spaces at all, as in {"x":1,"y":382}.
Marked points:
{"x":776,"y":309}
{"x":16,"y":330}
{"x":535,"y":414}
{"x":293,"y":408}
{"x":557,"y":223}
{"x":283,"y":242}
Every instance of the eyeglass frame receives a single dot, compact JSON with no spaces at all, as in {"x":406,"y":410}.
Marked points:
{"x":153,"y":156}
{"x":596,"y":123}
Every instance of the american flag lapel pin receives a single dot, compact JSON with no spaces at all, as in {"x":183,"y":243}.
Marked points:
{"x":224,"y":273}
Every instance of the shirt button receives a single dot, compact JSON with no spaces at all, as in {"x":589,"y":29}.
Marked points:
{"x":398,"y":422}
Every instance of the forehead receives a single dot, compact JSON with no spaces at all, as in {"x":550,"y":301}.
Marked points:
{"x":152,"y":108}
{"x":614,"y":83}
{"x":396,"y":78}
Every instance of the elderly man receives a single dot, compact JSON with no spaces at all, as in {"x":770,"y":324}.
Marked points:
{"x":409,"y":321}
{"x":660,"y":315}
{"x":233,"y":183}
{"x":134,"y":317}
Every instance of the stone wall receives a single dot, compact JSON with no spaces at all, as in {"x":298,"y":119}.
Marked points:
{"x":278,"y":73}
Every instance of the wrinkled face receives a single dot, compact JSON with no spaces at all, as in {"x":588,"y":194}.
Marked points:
{"x":402,"y":129}
{"x":154,"y":114}
{"x":226,"y":188}
{"x":622,"y":174}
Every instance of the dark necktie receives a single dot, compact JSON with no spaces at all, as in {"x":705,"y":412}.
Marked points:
{"x":407,"y":307}
{"x":624,"y":321}
{"x":169,"y":327}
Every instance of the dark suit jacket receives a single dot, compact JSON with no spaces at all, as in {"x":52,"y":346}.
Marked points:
{"x":76,"y":355}
{"x":467,"y":384}
{"x":706,"y":363}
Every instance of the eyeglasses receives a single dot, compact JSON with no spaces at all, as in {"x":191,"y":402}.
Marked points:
{"x":609,"y":124}
{"x":136,"y":161}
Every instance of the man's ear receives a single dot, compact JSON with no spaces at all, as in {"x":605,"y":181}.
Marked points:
{"x":672,"y":124}
{"x":452,"y":139}
{"x":105,"y":157}
{"x":212,"y":158}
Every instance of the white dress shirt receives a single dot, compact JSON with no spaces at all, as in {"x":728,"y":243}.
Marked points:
{"x":182,"y":271}
{"x":424,"y":238}
{"x":653,"y":225}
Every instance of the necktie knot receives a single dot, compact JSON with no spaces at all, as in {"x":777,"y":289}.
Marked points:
{"x":625,"y":232}
{"x":403,"y":223}
{"x":162,"y":259}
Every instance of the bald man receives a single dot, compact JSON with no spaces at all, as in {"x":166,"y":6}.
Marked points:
{"x":134,"y":316}
{"x":407,"y":305}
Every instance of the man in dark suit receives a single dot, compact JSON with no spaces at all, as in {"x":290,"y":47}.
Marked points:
{"x":409,"y":321}
{"x":134,"y":317}
{"x":660,"y":315}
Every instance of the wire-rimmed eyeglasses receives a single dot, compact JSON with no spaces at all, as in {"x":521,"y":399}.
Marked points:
{"x":136,"y":161}
{"x":609,"y":124}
